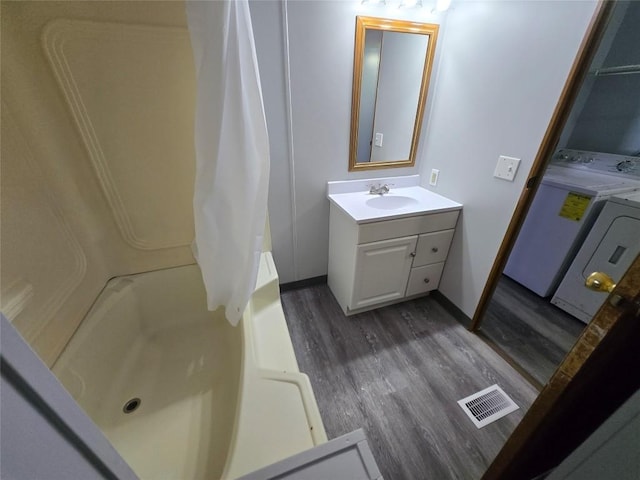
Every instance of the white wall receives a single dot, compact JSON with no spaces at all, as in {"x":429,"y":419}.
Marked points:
{"x":502,"y":70}
{"x":498,"y":73}
{"x":321,"y":40}
{"x":267,"y":21}
{"x":609,"y":120}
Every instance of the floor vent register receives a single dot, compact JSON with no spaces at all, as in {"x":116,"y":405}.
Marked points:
{"x":487,"y":406}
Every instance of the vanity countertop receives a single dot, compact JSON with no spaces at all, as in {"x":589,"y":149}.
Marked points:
{"x":404,"y":201}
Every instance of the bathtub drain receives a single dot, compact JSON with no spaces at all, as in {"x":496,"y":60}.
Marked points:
{"x":131,"y":405}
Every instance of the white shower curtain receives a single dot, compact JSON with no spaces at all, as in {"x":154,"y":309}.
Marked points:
{"x":232,"y":153}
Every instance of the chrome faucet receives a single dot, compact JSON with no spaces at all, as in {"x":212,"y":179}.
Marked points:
{"x":379,"y":189}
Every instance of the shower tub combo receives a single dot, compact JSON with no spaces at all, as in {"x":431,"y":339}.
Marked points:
{"x":97,"y":187}
{"x":177,"y":390}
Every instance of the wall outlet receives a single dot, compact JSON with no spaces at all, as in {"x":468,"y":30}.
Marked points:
{"x":506,"y":168}
{"x":433,"y":178}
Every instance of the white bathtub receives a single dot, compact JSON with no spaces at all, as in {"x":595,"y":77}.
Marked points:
{"x":214,"y":401}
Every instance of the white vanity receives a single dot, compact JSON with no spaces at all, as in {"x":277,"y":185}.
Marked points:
{"x":385,"y":248}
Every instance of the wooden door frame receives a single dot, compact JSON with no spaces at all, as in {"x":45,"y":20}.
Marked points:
{"x":577,"y":74}
{"x":595,"y":378}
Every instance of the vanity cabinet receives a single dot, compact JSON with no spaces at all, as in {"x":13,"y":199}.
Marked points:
{"x":383,"y":262}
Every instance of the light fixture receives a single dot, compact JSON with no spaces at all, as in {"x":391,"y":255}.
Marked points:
{"x":442,"y":5}
{"x":410,"y":3}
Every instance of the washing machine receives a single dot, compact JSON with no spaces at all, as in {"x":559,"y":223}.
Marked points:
{"x":611,"y":246}
{"x":575,"y":187}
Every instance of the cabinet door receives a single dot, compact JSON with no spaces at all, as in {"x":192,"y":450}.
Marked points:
{"x":424,"y":279}
{"x":382,"y":270}
{"x":433,"y":248}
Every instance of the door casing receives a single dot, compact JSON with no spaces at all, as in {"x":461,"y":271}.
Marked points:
{"x":596,"y":376}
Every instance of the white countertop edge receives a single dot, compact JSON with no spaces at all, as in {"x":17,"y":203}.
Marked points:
{"x":395,"y":216}
{"x":350,"y":186}
{"x":362,"y":215}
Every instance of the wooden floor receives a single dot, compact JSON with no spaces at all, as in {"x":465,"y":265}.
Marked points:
{"x":533,"y":332}
{"x":397,"y":372}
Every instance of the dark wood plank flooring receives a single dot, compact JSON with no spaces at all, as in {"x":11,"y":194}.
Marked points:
{"x":398,"y":372}
{"x":531,"y":330}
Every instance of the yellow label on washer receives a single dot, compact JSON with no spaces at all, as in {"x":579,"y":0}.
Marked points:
{"x":574,"y":206}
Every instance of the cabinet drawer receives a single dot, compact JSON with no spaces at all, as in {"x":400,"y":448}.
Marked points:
{"x":424,"y":279}
{"x":433,"y":248}
{"x":403,"y":227}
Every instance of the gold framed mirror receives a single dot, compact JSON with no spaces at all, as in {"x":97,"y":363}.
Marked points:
{"x":391,"y":69}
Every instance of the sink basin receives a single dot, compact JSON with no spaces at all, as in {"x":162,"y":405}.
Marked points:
{"x":354,"y":199}
{"x":390,"y":202}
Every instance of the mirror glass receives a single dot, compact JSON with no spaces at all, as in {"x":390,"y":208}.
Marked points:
{"x":392,"y":65}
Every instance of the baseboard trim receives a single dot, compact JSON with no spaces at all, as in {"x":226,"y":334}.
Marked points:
{"x":307,"y":282}
{"x":450,"y":307}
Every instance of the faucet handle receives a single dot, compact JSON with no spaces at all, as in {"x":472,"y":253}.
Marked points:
{"x":379,"y":188}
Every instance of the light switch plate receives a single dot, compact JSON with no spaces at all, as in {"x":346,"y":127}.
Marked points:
{"x":506,"y":168}
{"x":378,"y":142}
{"x":433,"y":178}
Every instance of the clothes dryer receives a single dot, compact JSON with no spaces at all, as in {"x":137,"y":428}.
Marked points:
{"x":572,"y":192}
{"x":610,"y":247}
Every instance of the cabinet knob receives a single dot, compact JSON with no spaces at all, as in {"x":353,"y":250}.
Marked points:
{"x":413,"y":254}
{"x":426,"y":280}
{"x":434,"y":249}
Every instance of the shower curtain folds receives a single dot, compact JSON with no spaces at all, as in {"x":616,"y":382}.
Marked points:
{"x":232,"y":153}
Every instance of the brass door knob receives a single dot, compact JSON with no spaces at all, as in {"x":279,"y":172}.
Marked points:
{"x":600,"y":282}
